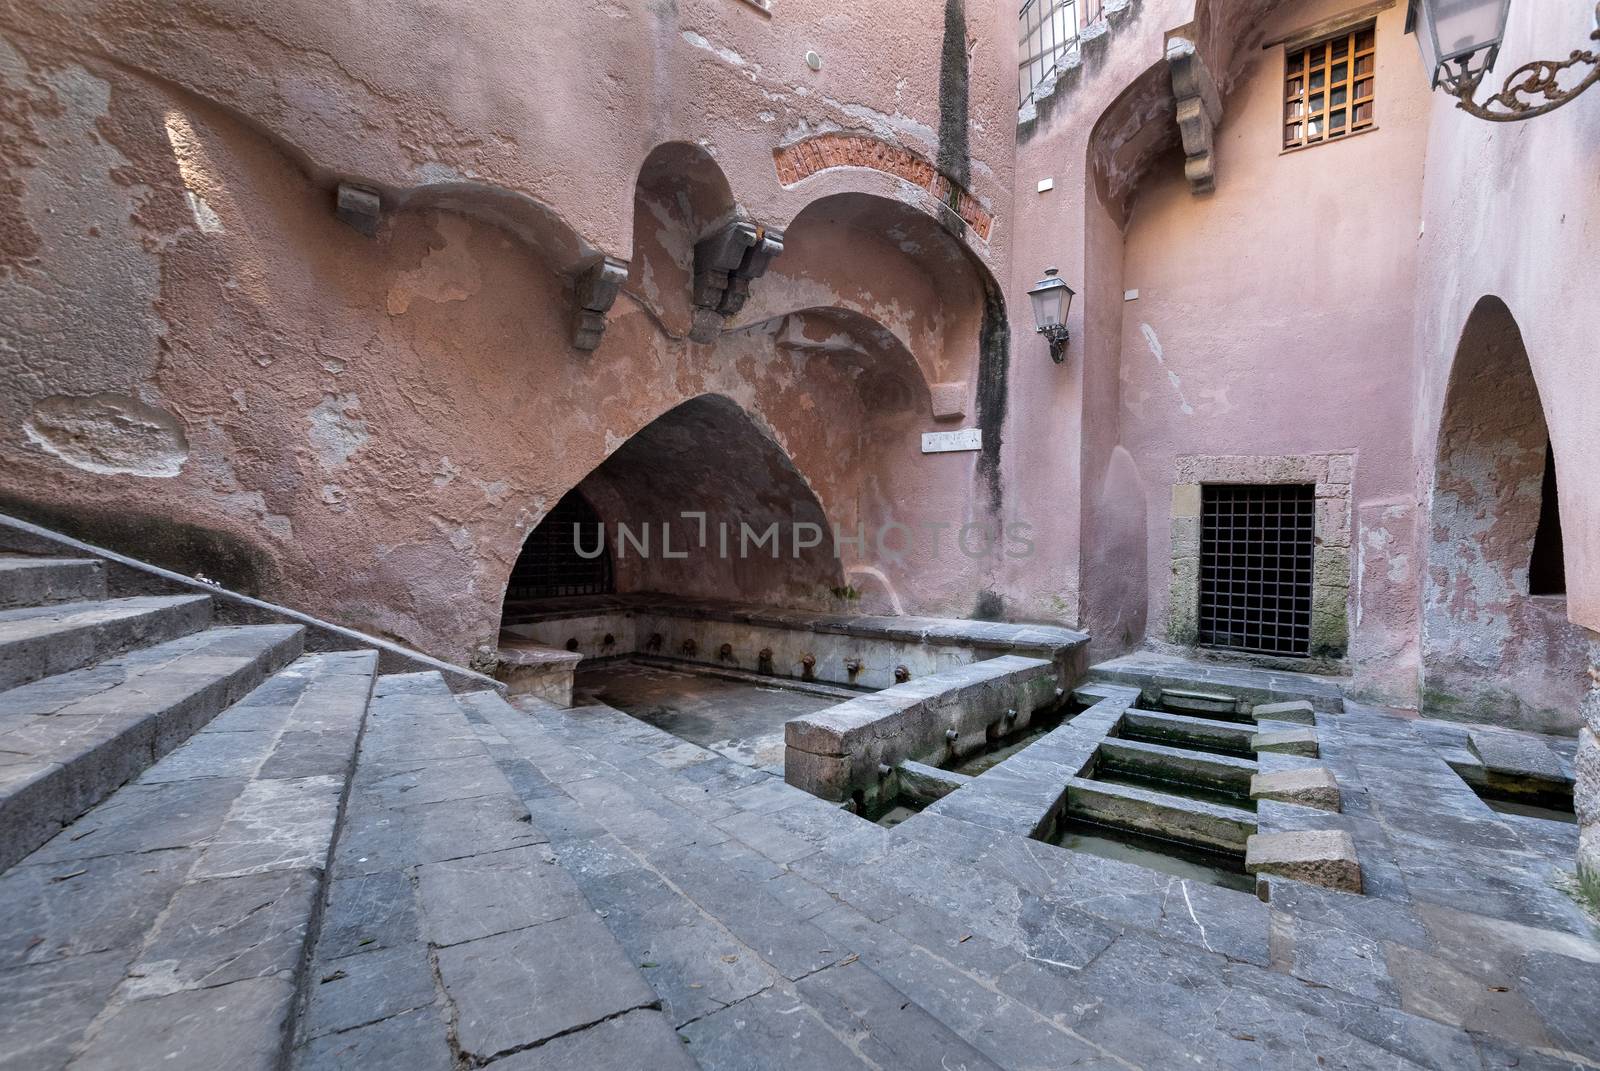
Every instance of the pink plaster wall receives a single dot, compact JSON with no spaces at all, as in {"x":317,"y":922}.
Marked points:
{"x":1267,"y":323}
{"x":208,"y":369}
{"x":200,"y":362}
{"x":1513,"y":210}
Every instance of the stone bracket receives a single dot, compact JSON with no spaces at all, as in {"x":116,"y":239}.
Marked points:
{"x":724,"y":266}
{"x":596,"y":290}
{"x":1199,"y":112}
{"x":361,"y":208}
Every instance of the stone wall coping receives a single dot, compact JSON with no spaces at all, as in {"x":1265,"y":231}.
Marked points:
{"x":125,"y":575}
{"x":1025,"y":793}
{"x":834,"y":730}
{"x":960,"y":632}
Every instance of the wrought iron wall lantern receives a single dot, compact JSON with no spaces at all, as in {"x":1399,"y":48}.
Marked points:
{"x":1460,"y":40}
{"x":1052,"y":300}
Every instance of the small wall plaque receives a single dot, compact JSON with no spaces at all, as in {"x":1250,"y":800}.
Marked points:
{"x":944,"y":442}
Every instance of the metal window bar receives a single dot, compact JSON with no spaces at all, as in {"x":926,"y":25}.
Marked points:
{"x":1048,"y":29}
{"x":1256,"y":546}
{"x":550,"y":567}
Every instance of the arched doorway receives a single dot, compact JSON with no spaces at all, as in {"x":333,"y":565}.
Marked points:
{"x":1497,"y":646}
{"x":689,"y":507}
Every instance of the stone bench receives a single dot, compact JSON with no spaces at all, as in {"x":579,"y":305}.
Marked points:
{"x":530,"y":668}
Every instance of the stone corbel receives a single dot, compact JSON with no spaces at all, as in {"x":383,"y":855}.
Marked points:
{"x":359,"y":207}
{"x":1199,"y":112}
{"x":724,"y":266}
{"x":596,"y":289}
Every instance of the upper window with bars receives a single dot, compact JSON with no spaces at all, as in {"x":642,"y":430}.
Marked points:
{"x":1328,"y":87}
{"x":1047,"y":32}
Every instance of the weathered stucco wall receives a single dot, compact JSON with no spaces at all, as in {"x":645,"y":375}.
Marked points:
{"x":205,"y":368}
{"x":202,"y":366}
{"x":1266,"y":322}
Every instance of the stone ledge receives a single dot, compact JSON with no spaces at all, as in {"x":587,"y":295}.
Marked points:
{"x":1287,"y":741}
{"x":1324,"y":857}
{"x":1296,"y":710}
{"x":1311,"y":787}
{"x":528,"y":668}
{"x":837,"y":751}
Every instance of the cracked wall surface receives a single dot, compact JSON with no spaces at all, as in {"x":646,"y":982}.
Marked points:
{"x":206,"y":369}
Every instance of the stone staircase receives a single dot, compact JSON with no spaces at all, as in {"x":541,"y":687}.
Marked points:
{"x":224,"y":851}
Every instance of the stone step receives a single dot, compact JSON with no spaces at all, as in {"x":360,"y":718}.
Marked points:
{"x":1176,"y":764}
{"x":449,"y":938}
{"x":41,"y":581}
{"x":167,"y":927}
{"x":68,"y":741}
{"x":1157,"y":814}
{"x":1181,"y":730}
{"x":38,"y":641}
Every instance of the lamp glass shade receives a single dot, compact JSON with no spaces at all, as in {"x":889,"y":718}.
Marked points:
{"x":1455,"y":30}
{"x":1052,"y":299}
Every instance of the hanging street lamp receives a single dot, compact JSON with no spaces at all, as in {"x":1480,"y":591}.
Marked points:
{"x":1460,"y":41}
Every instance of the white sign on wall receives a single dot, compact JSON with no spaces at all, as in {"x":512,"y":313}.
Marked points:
{"x":944,"y":442}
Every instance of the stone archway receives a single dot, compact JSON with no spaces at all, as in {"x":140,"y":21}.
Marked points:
{"x":1493,"y":651}
{"x":708,"y":459}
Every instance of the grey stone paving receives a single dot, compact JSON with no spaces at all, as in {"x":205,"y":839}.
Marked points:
{"x":342,"y":870}
{"x":1019,"y":954}
{"x":167,"y":926}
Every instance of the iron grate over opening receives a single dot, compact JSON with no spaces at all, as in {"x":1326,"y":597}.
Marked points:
{"x":1256,"y":545}
{"x":550,"y":566}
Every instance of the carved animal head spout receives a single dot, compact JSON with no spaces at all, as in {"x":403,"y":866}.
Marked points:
{"x":808,"y":666}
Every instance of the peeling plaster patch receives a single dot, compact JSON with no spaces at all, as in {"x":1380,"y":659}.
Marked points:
{"x":109,"y":434}
{"x":726,"y":55}
{"x":449,"y":273}
{"x":446,"y":473}
{"x":1154,"y":343}
{"x":336,"y":432}
{"x":94,"y":280}
{"x":205,"y":217}
{"x":494,"y":491}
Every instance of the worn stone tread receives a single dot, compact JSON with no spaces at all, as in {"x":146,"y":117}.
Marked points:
{"x":38,"y":641}
{"x":448,"y":929}
{"x":180,"y":907}
{"x":69,"y":740}
{"x":41,"y":581}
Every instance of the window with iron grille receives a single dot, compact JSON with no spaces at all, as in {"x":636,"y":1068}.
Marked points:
{"x":1256,"y":546}
{"x":550,"y":565}
{"x":1048,"y":29}
{"x":1328,"y":87}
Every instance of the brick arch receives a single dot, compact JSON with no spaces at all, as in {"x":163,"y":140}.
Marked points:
{"x":799,"y":160}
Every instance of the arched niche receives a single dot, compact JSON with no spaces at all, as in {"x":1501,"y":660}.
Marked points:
{"x":708,"y":456}
{"x":1493,"y":651}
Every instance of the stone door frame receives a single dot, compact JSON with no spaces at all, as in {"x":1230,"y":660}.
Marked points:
{"x":1331,"y":475}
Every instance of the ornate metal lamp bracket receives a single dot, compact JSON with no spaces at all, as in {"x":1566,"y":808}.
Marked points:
{"x":1530,"y":90}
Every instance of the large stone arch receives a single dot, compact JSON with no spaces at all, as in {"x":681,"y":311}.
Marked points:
{"x":1491,"y":651}
{"x":707,"y":455}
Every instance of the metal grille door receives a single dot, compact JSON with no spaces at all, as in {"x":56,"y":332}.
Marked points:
{"x":550,"y":566}
{"x":1256,"y":546}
